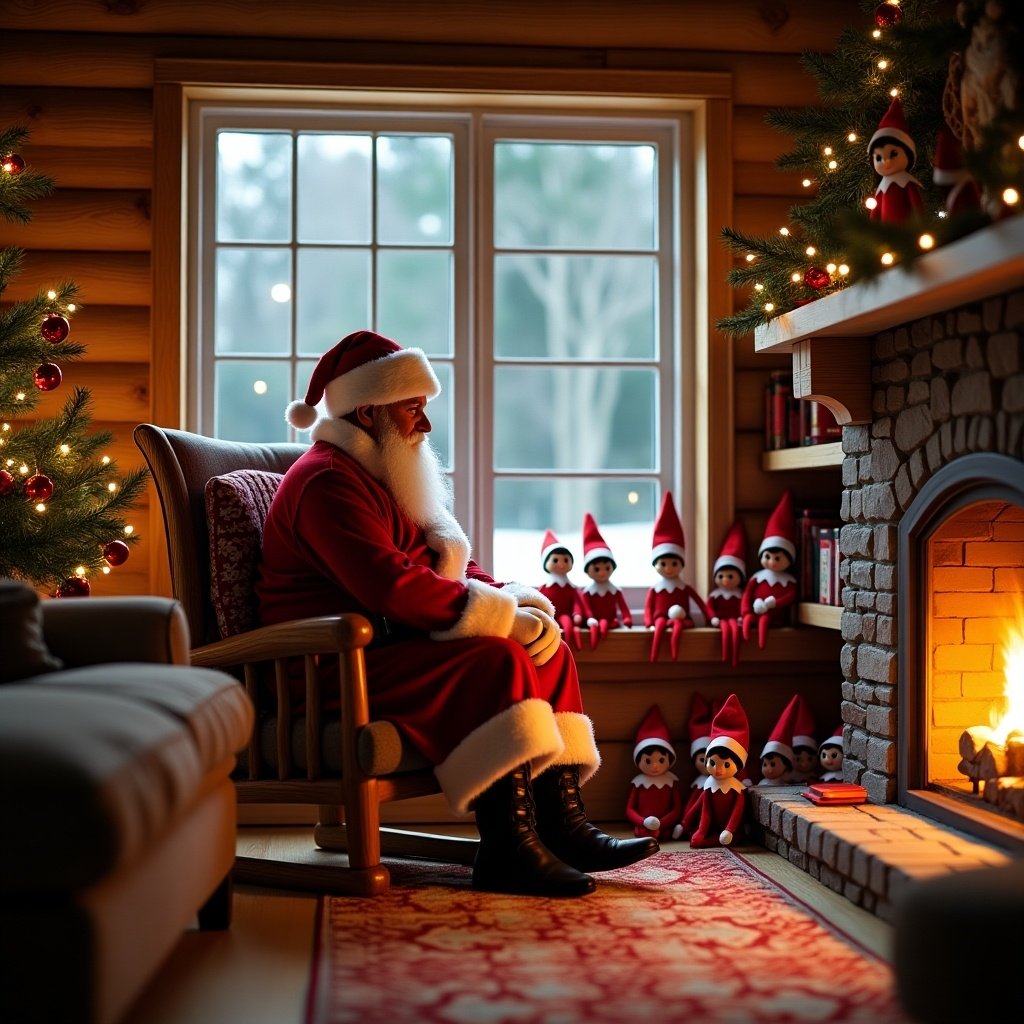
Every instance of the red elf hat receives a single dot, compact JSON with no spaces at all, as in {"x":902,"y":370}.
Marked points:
{"x":734,"y":550}
{"x":894,"y":126}
{"x":594,"y":545}
{"x":780,"y":530}
{"x":803,"y":725}
{"x":780,"y":740}
{"x":653,"y":732}
{"x":835,"y":740}
{"x":668,"y":532}
{"x":549,"y":544}
{"x":730,"y":728}
{"x":948,"y":162}
{"x":699,"y":724}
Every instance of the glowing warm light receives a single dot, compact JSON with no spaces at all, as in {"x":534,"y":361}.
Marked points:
{"x":751,"y":257}
{"x":260,"y":387}
{"x":811,"y":251}
{"x":827,"y":151}
{"x":112,"y":488}
{"x":806,"y":183}
{"x":888,"y":259}
{"x":40,"y":507}
{"x":941,"y":214}
{"x":926,"y":241}
{"x":1011,"y":197}
{"x":105,"y":460}
{"x":882,"y":65}
{"x":795,"y":276}
{"x":832,"y":165}
{"x":894,"y":92}
{"x":105,"y":570}
{"x":633,"y":498}
{"x":51,"y":295}
{"x":769,"y":306}
{"x":784,"y":232}
{"x":1008,"y":715}
{"x":20,"y":396}
{"x":758,"y":287}
{"x":65,"y":449}
{"x":1020,"y":142}
{"x":876,"y":33}
{"x":5,"y":426}
{"x":843,"y":270}
{"x":852,"y":137}
{"x":281,"y":293}
{"x":71,"y":307}
{"x":830,"y":267}
{"x":79,"y":570}
{"x":871,"y":203}
{"x":23,"y":469}
{"x":129,"y":530}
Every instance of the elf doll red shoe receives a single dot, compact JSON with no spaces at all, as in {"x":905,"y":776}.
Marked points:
{"x":777,"y":756}
{"x":830,"y":754}
{"x":607,"y":604}
{"x":570,"y":610}
{"x":719,"y":814}
{"x":771,"y":592}
{"x":655,"y":804}
{"x":698,"y":730}
{"x":806,"y":766}
{"x":671,"y":602}
{"x":729,"y":575}
{"x":893,"y":154}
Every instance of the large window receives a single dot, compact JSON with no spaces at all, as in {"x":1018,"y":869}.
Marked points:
{"x":536,"y":260}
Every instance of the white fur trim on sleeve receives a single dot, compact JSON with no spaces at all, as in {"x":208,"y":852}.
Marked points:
{"x":577,"y":732}
{"x":529,"y":597}
{"x":447,"y":538}
{"x":489,"y":611}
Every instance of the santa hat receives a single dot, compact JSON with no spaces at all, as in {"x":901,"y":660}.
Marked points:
{"x":780,"y":530}
{"x":653,"y":732}
{"x":549,"y":545}
{"x":803,"y":725}
{"x":730,"y":728}
{"x":363,"y":369}
{"x":668,"y":532}
{"x":835,"y":740}
{"x":780,"y":740}
{"x":894,"y":126}
{"x":734,"y":550}
{"x":699,"y":725}
{"x":948,"y":162}
{"x":594,"y":545}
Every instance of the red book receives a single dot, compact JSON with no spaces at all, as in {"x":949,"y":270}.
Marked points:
{"x":835,"y":793}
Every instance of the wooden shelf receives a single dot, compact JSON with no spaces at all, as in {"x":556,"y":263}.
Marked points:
{"x":825,"y":616}
{"x":813,"y":456}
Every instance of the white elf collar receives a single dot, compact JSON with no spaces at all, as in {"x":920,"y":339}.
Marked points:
{"x":775,"y":579}
{"x":732,"y":785}
{"x":901,"y":179}
{"x":599,"y":589}
{"x":558,"y":579}
{"x":664,"y":586}
{"x":698,"y":783}
{"x":832,"y":777}
{"x":724,"y":592}
{"x":655,"y":781}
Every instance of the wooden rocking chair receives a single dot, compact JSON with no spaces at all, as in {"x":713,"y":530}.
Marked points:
{"x":344,"y":764}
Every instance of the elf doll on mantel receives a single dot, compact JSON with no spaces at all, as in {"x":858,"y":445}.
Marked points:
{"x":698,"y":728}
{"x":655,"y":804}
{"x":570,"y":607}
{"x":893,"y":154}
{"x":805,"y":747}
{"x":729,"y":574}
{"x":771,"y":592}
{"x":606,"y":602}
{"x":671,"y":600}
{"x":831,"y":755}
{"x":718,"y":815}
{"x":777,"y":754}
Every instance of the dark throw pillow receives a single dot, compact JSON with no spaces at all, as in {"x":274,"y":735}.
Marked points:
{"x":21,"y":623}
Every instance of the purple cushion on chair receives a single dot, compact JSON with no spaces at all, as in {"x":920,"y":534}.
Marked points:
{"x":236,"y":508}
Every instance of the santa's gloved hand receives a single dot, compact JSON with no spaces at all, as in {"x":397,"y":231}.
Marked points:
{"x":542,"y":649}
{"x":725,"y":837}
{"x":652,"y":823}
{"x":525,"y":627}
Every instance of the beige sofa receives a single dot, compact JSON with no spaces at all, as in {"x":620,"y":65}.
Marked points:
{"x":117,"y":810}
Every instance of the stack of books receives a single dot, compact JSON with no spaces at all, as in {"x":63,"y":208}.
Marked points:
{"x":793,"y":422}
{"x":818,"y":556}
{"x":835,"y":793}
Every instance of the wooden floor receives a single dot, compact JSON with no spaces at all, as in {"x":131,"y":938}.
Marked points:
{"x":257,"y":971}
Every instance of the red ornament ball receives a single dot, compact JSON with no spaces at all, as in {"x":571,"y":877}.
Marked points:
{"x":47,"y":377}
{"x":13,"y":164}
{"x":116,"y":552}
{"x":74,"y":586}
{"x":817,"y":278}
{"x":54,"y":328}
{"x":887,"y":15}
{"x":38,"y":487}
{"x":6,"y":482}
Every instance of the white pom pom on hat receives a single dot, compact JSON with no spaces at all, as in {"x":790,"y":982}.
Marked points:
{"x":364,"y":368}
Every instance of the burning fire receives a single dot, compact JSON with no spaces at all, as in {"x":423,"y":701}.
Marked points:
{"x":1007,"y":715}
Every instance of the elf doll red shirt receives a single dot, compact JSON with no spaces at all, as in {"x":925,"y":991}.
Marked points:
{"x":899,"y":196}
{"x":655,"y":803}
{"x":772,"y":591}
{"x":570,"y":606}
{"x":606,"y":603}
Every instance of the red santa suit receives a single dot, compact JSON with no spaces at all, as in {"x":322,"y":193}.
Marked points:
{"x":467,"y":697}
{"x":607,"y":605}
{"x":771,"y":592}
{"x":898,"y":197}
{"x":781,"y":586}
{"x":570,"y":609}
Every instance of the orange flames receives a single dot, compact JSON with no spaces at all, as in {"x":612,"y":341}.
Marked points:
{"x":1008,"y":713}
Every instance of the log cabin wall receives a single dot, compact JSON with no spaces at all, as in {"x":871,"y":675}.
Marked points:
{"x":79,"y":74}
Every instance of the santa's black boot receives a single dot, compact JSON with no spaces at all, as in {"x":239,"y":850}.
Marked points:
{"x":511,"y":858}
{"x":563,"y":827}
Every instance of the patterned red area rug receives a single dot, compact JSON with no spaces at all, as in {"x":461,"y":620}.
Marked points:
{"x":691,"y":936}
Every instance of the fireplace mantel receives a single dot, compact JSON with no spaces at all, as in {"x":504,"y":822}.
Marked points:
{"x":830,"y":338}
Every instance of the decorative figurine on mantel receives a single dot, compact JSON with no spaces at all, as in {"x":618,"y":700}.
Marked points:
{"x":805,"y":747}
{"x":777,"y":753}
{"x":655,"y":804}
{"x":698,"y":730}
{"x":729,"y":575}
{"x":570,"y":609}
{"x":960,"y":192}
{"x":771,"y":592}
{"x":899,"y":196}
{"x":717,"y":817}
{"x":671,"y":600}
{"x":606,"y":602}
{"x":830,"y":753}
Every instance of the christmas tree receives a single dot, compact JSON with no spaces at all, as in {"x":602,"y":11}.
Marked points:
{"x":61,"y":499}
{"x":890,"y":83}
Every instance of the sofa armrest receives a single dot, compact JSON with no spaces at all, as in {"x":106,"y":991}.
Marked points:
{"x":90,"y":631}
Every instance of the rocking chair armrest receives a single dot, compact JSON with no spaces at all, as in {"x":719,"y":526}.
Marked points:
{"x":329,"y":634}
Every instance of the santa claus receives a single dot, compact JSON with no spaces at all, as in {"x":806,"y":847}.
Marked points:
{"x":655,"y":804}
{"x":771,"y":592}
{"x":472,"y":672}
{"x":605,"y":601}
{"x":893,"y":154}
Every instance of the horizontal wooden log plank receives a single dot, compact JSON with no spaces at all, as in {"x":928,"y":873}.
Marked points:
{"x":81,"y":117}
{"x":762,"y":28}
{"x":765,"y":179}
{"x":85,"y":167}
{"x":113,"y":334}
{"x":97,"y":220}
{"x":120,"y":391}
{"x":755,"y":488}
{"x":755,"y":141}
{"x":761,"y":216}
{"x":103,"y":278}
{"x":120,"y":582}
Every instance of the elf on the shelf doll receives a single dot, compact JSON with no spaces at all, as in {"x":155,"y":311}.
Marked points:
{"x":671,"y":600}
{"x":655,"y":804}
{"x":830,"y":753}
{"x":777,"y":753}
{"x":699,"y":732}
{"x":570,"y":609}
{"x":805,"y":746}
{"x":948,"y":172}
{"x":893,"y":154}
{"x":606,"y":602}
{"x":771,"y":592}
{"x":718,"y":815}
{"x":729,"y":574}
